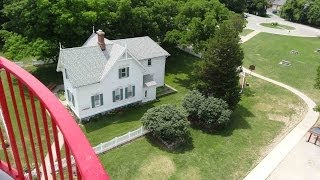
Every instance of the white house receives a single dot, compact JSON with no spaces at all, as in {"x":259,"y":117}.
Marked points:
{"x":106,"y":74}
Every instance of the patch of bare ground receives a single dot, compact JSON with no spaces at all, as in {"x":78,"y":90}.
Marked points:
{"x":156,"y":167}
{"x":295,"y":113}
{"x":192,"y":173}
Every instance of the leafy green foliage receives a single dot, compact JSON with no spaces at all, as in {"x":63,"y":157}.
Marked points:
{"x":214,"y":113}
{"x":192,"y":102}
{"x":70,"y":22}
{"x":196,"y":23}
{"x":210,"y":113}
{"x":238,"y":6}
{"x":217,"y":73}
{"x":302,"y":11}
{"x":18,"y":47}
{"x":257,"y":7}
{"x":167,"y":122}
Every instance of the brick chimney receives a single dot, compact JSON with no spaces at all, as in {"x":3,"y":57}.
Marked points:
{"x":101,"y":40}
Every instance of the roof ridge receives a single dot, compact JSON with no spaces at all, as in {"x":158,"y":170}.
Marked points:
{"x":79,"y":47}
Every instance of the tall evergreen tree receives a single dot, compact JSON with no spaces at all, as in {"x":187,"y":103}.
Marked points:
{"x":217,"y":73}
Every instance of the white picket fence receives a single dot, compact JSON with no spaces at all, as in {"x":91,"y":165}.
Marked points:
{"x":103,"y":147}
{"x":120,"y":140}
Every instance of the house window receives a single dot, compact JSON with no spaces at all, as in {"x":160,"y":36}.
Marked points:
{"x":70,"y":97}
{"x":129,"y":91}
{"x":149,"y":62}
{"x":117,"y":94}
{"x":66,"y":73}
{"x":97,"y":100}
{"x":123,"y":72}
{"x":146,"y":93}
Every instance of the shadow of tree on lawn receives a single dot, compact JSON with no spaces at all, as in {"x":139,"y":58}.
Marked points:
{"x":237,"y":121}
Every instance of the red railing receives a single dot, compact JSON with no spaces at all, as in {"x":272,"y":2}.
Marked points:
{"x":39,"y":138}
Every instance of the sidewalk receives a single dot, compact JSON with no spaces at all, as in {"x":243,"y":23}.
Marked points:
{"x":274,"y":158}
{"x":303,"y":162}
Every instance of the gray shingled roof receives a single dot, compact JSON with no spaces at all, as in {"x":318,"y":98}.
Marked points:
{"x":84,"y":65}
{"x":142,"y":47}
{"x":89,"y":64}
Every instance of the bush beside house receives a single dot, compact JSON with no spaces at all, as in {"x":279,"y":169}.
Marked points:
{"x":167,"y":123}
{"x":208,"y":113}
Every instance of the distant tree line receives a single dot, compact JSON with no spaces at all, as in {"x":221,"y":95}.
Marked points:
{"x":257,"y":7}
{"x":302,"y":11}
{"x":35,"y":28}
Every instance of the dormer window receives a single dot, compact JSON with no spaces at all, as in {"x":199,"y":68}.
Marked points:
{"x":123,"y":72}
{"x":66,"y":73}
{"x":149,"y":62}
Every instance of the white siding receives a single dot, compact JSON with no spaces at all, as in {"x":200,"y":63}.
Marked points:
{"x":151,"y":93}
{"x":157,"y":69}
{"x":68,"y":86}
{"x":109,"y":84}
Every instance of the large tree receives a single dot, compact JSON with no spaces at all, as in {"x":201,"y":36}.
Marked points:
{"x":257,"y":7}
{"x":302,"y":11}
{"x":196,"y":23}
{"x":238,"y":6}
{"x":70,"y":22}
{"x":217,"y":73}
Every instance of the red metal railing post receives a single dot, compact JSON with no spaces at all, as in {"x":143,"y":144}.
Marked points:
{"x":7,"y":120}
{"x":14,"y":101}
{"x":87,"y":162}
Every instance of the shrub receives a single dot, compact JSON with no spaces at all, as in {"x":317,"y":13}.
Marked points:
{"x":167,"y":122}
{"x":192,"y":102}
{"x":214,"y":113}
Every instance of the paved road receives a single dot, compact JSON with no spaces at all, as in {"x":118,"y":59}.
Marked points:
{"x":301,"y":30}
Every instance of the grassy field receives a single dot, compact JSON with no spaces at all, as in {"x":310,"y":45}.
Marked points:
{"x":265,"y":51}
{"x":246,"y":32}
{"x":265,"y":110}
{"x":277,"y":26}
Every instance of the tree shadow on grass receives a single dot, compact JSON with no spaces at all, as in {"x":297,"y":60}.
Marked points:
{"x":247,"y":92}
{"x":182,"y":148}
{"x":123,"y":116}
{"x":237,"y":121}
{"x":47,"y":74}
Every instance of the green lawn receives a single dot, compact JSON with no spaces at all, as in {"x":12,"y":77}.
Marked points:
{"x":264,"y":111}
{"x":226,"y":155}
{"x":246,"y":32}
{"x":277,"y":26}
{"x":267,"y":50}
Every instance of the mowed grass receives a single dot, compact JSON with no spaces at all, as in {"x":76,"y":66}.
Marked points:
{"x":277,"y":26}
{"x":229,"y":154}
{"x":265,"y":51}
{"x":246,"y":32}
{"x":259,"y":118}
